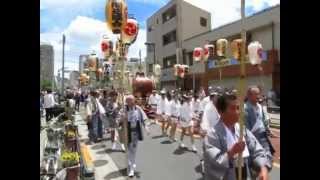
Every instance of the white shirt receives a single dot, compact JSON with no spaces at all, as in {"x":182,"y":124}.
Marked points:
{"x":153,"y":99}
{"x":210,"y":116}
{"x":161,"y":106}
{"x":48,"y":101}
{"x":186,"y":112}
{"x":101,"y":108}
{"x":168,"y":107}
{"x":233,"y":138}
{"x":195,"y":105}
{"x":204,"y":102}
{"x":175,"y":108}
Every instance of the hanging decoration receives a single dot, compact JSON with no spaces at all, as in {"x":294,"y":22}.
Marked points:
{"x":116,"y":15}
{"x":130,"y":31}
{"x":222,"y":45}
{"x":107,"y":47}
{"x":236,"y":47}
{"x":208,"y":51}
{"x":93,"y":59}
{"x":255,"y":53}
{"x":197,"y":54}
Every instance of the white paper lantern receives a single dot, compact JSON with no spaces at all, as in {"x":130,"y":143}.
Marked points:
{"x":130,"y":31}
{"x":206,"y":51}
{"x":255,"y":53}
{"x":222,"y":45}
{"x":197,"y":54}
{"x":176,"y":69}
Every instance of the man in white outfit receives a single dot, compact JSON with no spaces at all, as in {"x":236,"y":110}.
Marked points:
{"x":161,"y":110}
{"x":153,"y":100}
{"x":48,"y":104}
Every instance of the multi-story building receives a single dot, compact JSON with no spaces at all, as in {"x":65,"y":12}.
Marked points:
{"x":263,"y":26}
{"x":167,"y":29}
{"x":74,"y":79}
{"x":46,"y":62}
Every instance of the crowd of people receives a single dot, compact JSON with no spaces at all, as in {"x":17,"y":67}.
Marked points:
{"x":213,"y":115}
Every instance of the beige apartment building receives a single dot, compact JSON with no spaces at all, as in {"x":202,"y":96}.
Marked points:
{"x":263,"y":26}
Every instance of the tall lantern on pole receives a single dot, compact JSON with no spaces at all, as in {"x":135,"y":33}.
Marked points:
{"x":116,"y":15}
{"x":255,"y":57}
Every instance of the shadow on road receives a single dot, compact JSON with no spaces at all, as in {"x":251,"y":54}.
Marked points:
{"x":109,"y":151}
{"x":180,"y":151}
{"x":166,"y":142}
{"x":157,"y":137}
{"x":116,"y":174}
{"x":99,"y":163}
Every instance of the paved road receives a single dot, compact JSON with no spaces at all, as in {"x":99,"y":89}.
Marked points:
{"x":157,"y":159}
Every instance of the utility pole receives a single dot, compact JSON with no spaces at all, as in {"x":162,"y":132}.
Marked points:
{"x":62,"y":80}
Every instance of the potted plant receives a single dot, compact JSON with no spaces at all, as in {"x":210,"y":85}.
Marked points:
{"x":70,"y":160}
{"x":70,"y":140}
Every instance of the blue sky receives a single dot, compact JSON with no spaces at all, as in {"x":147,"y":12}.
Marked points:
{"x":83,"y":22}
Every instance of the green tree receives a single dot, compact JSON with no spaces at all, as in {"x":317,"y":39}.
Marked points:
{"x":45,"y":84}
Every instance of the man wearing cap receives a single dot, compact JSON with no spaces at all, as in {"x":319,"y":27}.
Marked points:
{"x":186,"y":121}
{"x":136,"y":120}
{"x":222,"y":146}
{"x":256,"y":121}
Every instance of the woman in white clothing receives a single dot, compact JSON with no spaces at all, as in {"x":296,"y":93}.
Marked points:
{"x":186,"y":122}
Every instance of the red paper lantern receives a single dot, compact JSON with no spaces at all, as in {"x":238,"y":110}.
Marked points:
{"x":107,"y":47}
{"x":130,"y":31}
{"x":197,"y":54}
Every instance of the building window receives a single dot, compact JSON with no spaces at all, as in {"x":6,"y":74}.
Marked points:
{"x":169,"y":14}
{"x":169,"y":61}
{"x":150,"y":67}
{"x":150,"y":28}
{"x":157,"y":21}
{"x":169,"y":37}
{"x":203,"y":21}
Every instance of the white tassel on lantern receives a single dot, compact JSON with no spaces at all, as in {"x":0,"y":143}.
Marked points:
{"x":157,"y":70}
{"x":255,"y":53}
{"x":206,"y":51}
{"x":222,"y":45}
{"x":197,"y":54}
{"x":130,"y":31}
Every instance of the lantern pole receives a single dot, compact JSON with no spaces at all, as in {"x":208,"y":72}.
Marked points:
{"x":242,"y":85}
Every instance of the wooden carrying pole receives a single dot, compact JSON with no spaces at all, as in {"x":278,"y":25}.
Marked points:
{"x":242,"y":85}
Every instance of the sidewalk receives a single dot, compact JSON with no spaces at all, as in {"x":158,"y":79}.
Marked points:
{"x":103,"y":163}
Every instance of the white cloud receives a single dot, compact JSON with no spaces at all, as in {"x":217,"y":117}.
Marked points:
{"x":51,"y":4}
{"x":226,"y":11}
{"x":83,"y":35}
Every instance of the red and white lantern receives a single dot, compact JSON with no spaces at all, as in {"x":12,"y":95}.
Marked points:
{"x":176,"y":69}
{"x":207,"y":51}
{"x":255,"y":53}
{"x":222,"y":45}
{"x":197,"y":54}
{"x":130,"y":31}
{"x":107,"y":47}
{"x":93,"y":59}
